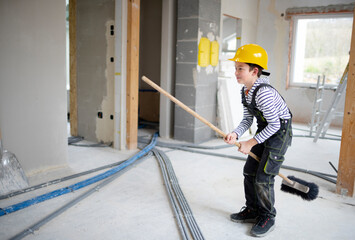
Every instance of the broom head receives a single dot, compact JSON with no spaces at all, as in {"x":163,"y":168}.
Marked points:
{"x":307,"y":191}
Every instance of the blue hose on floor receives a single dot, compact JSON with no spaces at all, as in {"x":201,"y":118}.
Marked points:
{"x":76,"y":186}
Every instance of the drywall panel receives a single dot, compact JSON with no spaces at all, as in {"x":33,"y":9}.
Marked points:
{"x":95,"y":69}
{"x":273,"y":35}
{"x":33,"y":104}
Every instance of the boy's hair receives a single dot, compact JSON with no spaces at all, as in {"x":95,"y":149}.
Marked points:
{"x":252,"y":66}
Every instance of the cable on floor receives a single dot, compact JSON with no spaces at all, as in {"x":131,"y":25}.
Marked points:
{"x":186,"y":222}
{"x":184,"y":147}
{"x":79,"y":185}
{"x":37,"y":225}
{"x":56,"y":181}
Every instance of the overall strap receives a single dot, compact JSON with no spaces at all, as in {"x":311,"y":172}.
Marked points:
{"x":253,"y":103}
{"x":257,"y":89}
{"x":253,"y":110}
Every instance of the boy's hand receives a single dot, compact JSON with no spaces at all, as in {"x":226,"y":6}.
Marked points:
{"x":246,"y":146}
{"x":230,"y":138}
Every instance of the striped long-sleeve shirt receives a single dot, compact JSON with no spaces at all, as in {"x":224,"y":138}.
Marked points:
{"x":271,"y":104}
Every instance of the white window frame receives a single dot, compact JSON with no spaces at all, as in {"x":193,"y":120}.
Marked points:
{"x":294,"y":46}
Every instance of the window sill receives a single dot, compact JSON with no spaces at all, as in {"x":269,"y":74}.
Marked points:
{"x":332,"y":87}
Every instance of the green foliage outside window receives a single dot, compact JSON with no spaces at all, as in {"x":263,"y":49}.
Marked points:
{"x":327,"y":48}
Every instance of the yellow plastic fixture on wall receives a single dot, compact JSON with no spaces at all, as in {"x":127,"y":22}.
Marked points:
{"x":214,"y":53}
{"x":204,"y":48}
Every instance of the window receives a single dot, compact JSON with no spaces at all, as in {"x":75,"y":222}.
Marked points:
{"x":320,"y":47}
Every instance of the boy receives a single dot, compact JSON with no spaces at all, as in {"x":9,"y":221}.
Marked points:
{"x":273,"y":136}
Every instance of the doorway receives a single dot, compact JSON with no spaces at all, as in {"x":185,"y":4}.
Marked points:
{"x":150,"y":62}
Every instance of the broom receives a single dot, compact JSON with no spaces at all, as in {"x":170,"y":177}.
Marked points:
{"x":307,"y":191}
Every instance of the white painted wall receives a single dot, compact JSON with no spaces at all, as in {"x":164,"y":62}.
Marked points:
{"x":33,"y":82}
{"x":247,"y":10}
{"x":273,"y":35}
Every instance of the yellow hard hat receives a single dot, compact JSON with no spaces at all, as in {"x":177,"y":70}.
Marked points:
{"x":251,"y":53}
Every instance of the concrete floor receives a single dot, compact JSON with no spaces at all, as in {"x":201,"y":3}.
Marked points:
{"x":136,"y":205}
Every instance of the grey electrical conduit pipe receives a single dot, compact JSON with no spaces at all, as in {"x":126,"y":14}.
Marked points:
{"x":169,"y":177}
{"x":192,"y":224}
{"x":182,"y":147}
{"x":187,"y":210}
{"x":329,"y":134}
{"x":72,"y":140}
{"x":79,"y":185}
{"x":58,"y":180}
{"x":318,"y":174}
{"x":327,"y":138}
{"x":62,"y":209}
{"x":186,"y":222}
{"x":37,"y":225}
{"x":174,"y":202}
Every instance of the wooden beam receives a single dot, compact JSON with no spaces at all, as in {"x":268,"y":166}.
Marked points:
{"x":73,"y":82}
{"x":133,"y":18}
{"x":346,"y":168}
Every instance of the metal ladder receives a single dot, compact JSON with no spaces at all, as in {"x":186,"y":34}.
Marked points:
{"x":330,"y":113}
{"x":317,"y":106}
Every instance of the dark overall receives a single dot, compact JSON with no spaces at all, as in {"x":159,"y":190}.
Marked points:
{"x":259,"y":177}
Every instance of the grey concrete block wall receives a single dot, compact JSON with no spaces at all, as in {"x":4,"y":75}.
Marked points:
{"x":188,"y":8}
{"x":195,"y":86}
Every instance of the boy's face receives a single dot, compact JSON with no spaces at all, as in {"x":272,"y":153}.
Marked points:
{"x":243,"y":74}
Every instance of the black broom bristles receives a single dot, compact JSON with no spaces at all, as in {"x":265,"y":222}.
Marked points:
{"x":310,"y":195}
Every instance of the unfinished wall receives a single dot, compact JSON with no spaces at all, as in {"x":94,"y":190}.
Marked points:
{"x":95,"y":69}
{"x":120,"y":74}
{"x":33,"y":82}
{"x":273,"y":35}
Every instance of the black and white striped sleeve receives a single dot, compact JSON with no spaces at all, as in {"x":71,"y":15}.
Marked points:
{"x":269,"y":102}
{"x":245,"y":123}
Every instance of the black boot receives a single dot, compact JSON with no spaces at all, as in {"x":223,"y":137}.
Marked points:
{"x":264,"y":225}
{"x":246,"y":215}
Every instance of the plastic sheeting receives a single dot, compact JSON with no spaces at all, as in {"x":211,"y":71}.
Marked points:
{"x":12,"y":177}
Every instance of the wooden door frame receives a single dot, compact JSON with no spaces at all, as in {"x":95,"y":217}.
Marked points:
{"x":73,"y":112}
{"x":132,"y":83}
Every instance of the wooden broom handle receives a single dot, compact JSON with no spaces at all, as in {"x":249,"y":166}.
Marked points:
{"x":193,"y":113}
{"x":286,"y":178}
{"x":186,"y":108}
{"x":189,"y":110}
